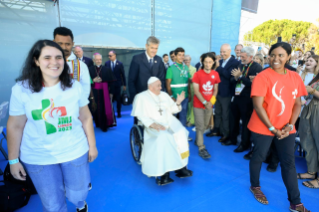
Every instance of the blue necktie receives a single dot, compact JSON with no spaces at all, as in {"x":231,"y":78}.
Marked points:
{"x":151,"y":63}
{"x":112,"y":66}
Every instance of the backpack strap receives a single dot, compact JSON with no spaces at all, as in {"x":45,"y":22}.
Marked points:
{"x":76,"y":69}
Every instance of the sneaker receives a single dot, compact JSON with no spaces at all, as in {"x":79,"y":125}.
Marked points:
{"x":90,"y":186}
{"x":190,"y":139}
{"x":84,"y":209}
{"x":194,"y":129}
{"x":204,"y":154}
{"x":207,"y":131}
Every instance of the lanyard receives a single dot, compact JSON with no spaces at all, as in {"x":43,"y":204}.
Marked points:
{"x":245,"y":73}
{"x":181,"y":71}
{"x":78,"y":67}
{"x":274,"y":70}
{"x":313,"y":85}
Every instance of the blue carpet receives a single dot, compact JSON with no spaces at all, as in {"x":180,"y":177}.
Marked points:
{"x":219,"y":184}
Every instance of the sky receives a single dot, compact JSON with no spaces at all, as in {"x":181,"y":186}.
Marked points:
{"x":297,"y":10}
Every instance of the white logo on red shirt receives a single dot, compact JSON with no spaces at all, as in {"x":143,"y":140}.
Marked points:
{"x":279,"y":98}
{"x":208,"y":87}
{"x":294,"y":93}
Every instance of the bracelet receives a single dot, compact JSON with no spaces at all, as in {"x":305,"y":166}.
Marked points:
{"x":312,"y":92}
{"x":172,"y":96}
{"x":271,"y":128}
{"x":204,"y":102}
{"x":92,"y":97}
{"x":11,"y":162}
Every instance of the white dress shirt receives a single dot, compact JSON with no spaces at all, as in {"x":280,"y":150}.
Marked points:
{"x":225,"y":62}
{"x":84,"y":74}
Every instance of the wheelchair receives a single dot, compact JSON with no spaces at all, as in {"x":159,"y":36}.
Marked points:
{"x":137,"y":142}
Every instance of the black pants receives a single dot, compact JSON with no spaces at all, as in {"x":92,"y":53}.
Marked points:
{"x":222,"y":111}
{"x":241,"y":108}
{"x":285,"y":149}
{"x":117,"y":98}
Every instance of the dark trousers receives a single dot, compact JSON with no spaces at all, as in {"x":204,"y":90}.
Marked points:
{"x":285,"y":149}
{"x":117,"y":98}
{"x":241,"y":108}
{"x":222,"y":110}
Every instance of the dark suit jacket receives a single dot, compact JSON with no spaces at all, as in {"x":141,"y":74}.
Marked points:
{"x":140,"y":71}
{"x":118,"y":72}
{"x":197,"y":66}
{"x":106,"y":76}
{"x":254,"y":69}
{"x":88,"y":61}
{"x":225,"y":88}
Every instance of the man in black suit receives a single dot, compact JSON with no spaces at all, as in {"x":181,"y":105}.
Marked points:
{"x":225,"y":93}
{"x":165,"y":61}
{"x":78,"y":51}
{"x":118,"y":71}
{"x":199,"y":64}
{"x":238,"y":49}
{"x":242,"y":104}
{"x":144,"y":66}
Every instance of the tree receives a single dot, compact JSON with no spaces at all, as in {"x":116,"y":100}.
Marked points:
{"x":269,"y":31}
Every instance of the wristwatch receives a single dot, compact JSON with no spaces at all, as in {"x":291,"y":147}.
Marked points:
{"x":291,"y":127}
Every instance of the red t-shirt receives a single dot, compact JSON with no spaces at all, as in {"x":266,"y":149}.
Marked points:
{"x":206,"y":84}
{"x":280,"y":93}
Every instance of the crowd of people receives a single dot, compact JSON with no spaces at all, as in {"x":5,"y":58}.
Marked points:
{"x":260,"y":97}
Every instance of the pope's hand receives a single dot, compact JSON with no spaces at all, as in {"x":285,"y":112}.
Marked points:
{"x":180,"y":98}
{"x":157,"y":127}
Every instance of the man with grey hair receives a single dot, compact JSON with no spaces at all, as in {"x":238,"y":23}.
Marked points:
{"x":225,"y":93}
{"x":242,"y":105}
{"x":78,"y":51}
{"x":144,"y":66}
{"x":103,"y":90}
{"x":238,"y":49}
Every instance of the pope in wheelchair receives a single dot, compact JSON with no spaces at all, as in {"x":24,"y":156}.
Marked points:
{"x":165,"y":145}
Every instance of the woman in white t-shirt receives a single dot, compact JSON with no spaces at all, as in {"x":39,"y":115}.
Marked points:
{"x":50,"y":129}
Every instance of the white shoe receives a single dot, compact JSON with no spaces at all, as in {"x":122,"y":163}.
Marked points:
{"x":194,"y":129}
{"x":206,"y":131}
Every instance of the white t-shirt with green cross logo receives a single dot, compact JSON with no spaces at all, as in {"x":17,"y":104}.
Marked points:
{"x":53,"y":132}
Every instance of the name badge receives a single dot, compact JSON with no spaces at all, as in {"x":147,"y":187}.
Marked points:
{"x":239,"y":88}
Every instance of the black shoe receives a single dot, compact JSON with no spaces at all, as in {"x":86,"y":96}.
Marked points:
{"x":241,"y":148}
{"x":249,"y":155}
{"x":85,"y":209}
{"x":272,"y":167}
{"x":227,"y":143}
{"x":119,"y":115}
{"x":183,"y":173}
{"x":164,"y":180}
{"x":223,"y":139}
{"x":90,"y":186}
{"x":204,"y":154}
{"x":212,"y":133}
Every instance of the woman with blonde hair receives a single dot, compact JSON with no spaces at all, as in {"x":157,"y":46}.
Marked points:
{"x":259,"y":58}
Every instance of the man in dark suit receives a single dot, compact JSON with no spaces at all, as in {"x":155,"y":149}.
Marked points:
{"x":199,"y":64}
{"x":242,"y":104}
{"x":78,"y":51}
{"x":144,"y":66}
{"x":118,"y":70}
{"x":225,"y":93}
{"x":165,"y":61}
{"x":172,"y":56}
{"x":238,"y":49}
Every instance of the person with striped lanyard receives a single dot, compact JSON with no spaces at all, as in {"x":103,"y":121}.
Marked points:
{"x":78,"y":70}
{"x":178,"y":80}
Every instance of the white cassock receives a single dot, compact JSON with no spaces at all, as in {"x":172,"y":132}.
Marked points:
{"x":164,"y":150}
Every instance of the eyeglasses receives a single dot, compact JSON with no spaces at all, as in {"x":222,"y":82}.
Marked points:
{"x":110,"y":55}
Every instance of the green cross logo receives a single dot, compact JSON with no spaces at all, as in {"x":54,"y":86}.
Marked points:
{"x":37,"y":115}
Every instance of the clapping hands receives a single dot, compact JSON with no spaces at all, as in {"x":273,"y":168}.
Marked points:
{"x":236,"y":73}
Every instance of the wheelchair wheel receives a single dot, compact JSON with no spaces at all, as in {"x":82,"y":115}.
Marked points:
{"x":136,"y":141}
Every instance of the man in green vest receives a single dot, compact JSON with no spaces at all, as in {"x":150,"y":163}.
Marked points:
{"x":178,"y":81}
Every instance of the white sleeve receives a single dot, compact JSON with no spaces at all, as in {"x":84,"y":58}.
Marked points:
{"x":16,"y":107}
{"x":85,"y":79}
{"x":83,"y":100}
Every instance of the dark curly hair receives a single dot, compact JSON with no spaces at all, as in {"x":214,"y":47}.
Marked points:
{"x":32,"y":74}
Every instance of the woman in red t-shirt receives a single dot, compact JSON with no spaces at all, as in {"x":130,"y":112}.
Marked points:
{"x":276,"y":94}
{"x":205,"y":83}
